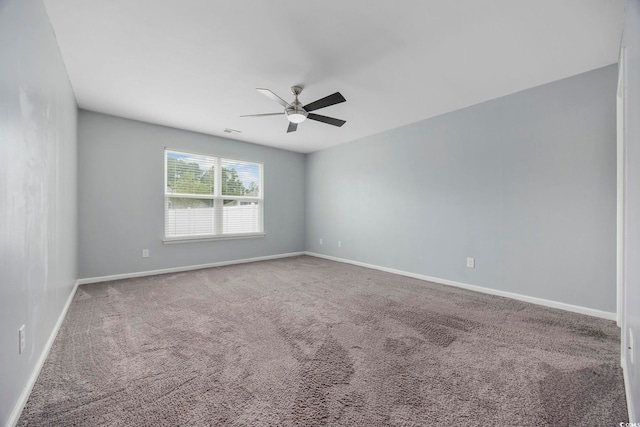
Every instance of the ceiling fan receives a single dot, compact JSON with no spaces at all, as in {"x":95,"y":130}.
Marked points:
{"x":297,"y":113}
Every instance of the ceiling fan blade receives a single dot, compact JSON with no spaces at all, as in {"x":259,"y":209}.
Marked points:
{"x":336,"y":98}
{"x":292,"y":127}
{"x":262,"y":115}
{"x":325,"y":119}
{"x":269,"y":94}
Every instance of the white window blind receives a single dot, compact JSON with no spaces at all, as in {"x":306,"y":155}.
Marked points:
{"x":209,"y":196}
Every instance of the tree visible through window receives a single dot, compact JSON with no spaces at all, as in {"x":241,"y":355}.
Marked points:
{"x":209,"y":196}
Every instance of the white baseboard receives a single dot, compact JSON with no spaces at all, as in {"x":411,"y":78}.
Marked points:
{"x":26,"y":392}
{"x":186,"y":268}
{"x":539,"y":301}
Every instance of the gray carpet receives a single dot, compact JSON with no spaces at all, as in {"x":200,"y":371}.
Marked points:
{"x":305,"y":341}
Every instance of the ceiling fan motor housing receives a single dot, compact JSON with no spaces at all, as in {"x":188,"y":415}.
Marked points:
{"x":295,"y":112}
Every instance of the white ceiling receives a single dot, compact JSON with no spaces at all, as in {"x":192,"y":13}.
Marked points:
{"x":195,"y":64}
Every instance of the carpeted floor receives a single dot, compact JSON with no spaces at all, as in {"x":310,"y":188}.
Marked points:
{"x":305,"y":341}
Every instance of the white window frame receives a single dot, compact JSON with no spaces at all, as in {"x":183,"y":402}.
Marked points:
{"x":218,"y":199}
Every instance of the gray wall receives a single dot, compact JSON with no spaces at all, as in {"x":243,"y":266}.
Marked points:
{"x":38,"y":122}
{"x":525,"y":184}
{"x":121,"y":199}
{"x":631,"y":319}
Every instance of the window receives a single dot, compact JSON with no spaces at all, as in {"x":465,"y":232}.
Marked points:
{"x":211,"y":197}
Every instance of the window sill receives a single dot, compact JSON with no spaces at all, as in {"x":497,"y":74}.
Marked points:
{"x":172,"y":240}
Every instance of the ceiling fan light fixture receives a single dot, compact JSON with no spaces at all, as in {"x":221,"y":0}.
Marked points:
{"x":296,"y":115}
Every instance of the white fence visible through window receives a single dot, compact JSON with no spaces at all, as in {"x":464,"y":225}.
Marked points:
{"x":200,"y":221}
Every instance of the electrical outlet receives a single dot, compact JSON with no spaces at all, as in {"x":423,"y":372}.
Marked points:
{"x":471,"y":262}
{"x":630,"y":345}
{"x":321,"y":240}
{"x":22,"y":341}
{"x":339,"y":244}
{"x":145,"y":253}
